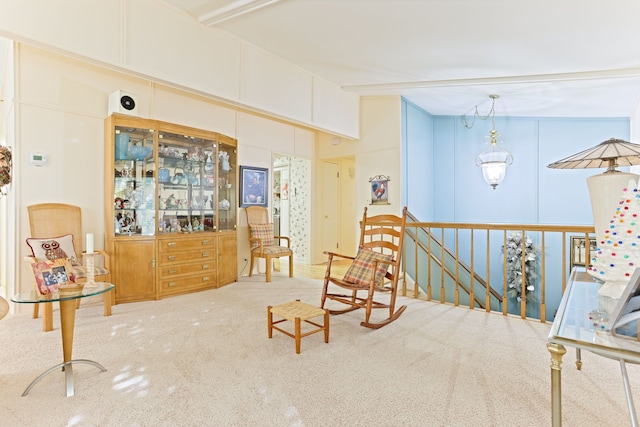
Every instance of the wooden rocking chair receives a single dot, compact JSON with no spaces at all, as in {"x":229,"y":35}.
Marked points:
{"x":374,"y":270}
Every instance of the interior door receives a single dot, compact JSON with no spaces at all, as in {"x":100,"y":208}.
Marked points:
{"x":330,"y":194}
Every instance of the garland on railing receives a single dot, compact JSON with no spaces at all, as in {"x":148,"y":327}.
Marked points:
{"x":514,"y":251}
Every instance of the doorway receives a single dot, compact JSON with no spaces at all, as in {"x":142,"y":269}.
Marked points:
{"x":330,"y":209}
{"x":339,"y":217}
{"x":291,"y":207}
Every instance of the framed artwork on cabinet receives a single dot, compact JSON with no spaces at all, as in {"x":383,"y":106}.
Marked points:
{"x":253,"y":186}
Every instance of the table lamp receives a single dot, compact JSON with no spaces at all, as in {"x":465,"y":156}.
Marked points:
{"x":607,"y":192}
{"x":606,"y":188}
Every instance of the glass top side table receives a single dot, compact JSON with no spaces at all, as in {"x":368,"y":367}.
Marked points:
{"x":67,"y":323}
{"x":572,"y":327}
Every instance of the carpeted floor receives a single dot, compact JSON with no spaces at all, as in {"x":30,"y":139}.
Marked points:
{"x":205,"y":360}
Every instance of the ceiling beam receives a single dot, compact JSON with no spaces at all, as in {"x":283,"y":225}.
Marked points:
{"x":532,"y":78}
{"x":232,"y":10}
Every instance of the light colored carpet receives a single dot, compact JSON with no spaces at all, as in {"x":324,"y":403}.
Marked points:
{"x":204,"y":359}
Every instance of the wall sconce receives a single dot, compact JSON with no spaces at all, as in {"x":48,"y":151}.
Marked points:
{"x":495,"y":159}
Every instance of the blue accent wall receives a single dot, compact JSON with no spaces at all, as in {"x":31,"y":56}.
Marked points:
{"x":418,"y":157}
{"x":444,"y":184}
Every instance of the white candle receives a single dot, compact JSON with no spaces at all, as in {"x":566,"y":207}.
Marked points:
{"x":89,"y":246}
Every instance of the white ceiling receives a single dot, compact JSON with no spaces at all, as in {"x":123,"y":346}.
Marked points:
{"x":546,"y":58}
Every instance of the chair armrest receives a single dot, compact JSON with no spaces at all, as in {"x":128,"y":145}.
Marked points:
{"x":332,"y":254}
{"x":284,"y":238}
{"x":104,"y":257}
{"x":258,"y":240}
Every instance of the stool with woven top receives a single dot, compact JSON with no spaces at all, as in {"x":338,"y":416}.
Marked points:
{"x":297,"y":312}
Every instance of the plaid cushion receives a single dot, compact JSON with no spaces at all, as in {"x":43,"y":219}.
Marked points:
{"x":80,"y":271}
{"x":262,"y":231}
{"x":360,"y":270}
{"x":274,"y":249}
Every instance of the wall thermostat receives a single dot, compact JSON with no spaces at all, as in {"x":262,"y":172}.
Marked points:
{"x":38,"y":159}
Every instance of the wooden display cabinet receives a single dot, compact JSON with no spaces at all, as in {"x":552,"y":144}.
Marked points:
{"x":227,"y":259}
{"x":134,"y":259}
{"x":171,"y":193}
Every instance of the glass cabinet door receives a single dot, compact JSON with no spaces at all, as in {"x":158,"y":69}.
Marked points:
{"x":227,"y":170}
{"x":186,"y":184}
{"x":134,"y":184}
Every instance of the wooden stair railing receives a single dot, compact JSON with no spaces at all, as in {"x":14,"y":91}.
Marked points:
{"x":554,"y":267}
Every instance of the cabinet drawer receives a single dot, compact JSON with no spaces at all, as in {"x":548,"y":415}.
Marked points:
{"x":173,"y":257}
{"x":176,"y":270}
{"x":177,"y":245}
{"x":201,"y":280}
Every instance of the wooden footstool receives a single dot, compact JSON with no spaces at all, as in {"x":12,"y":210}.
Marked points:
{"x":296,"y":311}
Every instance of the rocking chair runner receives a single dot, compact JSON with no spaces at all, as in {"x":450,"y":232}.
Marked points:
{"x":375,"y":269}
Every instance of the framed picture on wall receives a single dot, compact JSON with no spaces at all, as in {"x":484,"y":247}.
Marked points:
{"x":379,"y":190}
{"x":253,"y":186}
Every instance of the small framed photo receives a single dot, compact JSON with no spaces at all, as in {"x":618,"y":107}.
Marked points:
{"x":49,"y":274}
{"x":578,"y":251}
{"x":253,"y":186}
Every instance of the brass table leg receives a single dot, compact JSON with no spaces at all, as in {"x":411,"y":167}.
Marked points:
{"x":557,"y":351}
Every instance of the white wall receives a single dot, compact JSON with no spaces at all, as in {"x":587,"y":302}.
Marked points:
{"x":149,"y":39}
{"x":377,"y":152}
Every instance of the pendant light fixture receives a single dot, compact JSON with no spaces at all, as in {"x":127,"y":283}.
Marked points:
{"x":495,"y":159}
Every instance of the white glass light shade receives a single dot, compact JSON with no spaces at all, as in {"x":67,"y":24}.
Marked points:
{"x":494,"y":163}
{"x":494,"y":172}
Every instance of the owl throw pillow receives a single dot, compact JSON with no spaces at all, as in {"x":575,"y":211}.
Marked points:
{"x":53,"y":248}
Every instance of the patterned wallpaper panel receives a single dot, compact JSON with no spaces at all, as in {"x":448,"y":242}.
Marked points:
{"x":300,"y":207}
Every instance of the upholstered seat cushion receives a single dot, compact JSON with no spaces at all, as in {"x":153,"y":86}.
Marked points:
{"x":360,"y":270}
{"x":261,"y":231}
{"x":272,"y":250}
{"x":80,"y":271}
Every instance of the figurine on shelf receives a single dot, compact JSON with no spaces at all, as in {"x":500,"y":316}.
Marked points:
{"x":208,"y":202}
{"x":224,"y":160}
{"x":195,"y":224}
{"x":172,"y":203}
{"x":126,"y":222}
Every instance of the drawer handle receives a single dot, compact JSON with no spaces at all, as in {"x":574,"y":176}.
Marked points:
{"x":205,"y":266}
{"x":172,"y":284}
{"x":171,"y":244}
{"x":173,"y":271}
{"x":205,"y":242}
{"x":205,"y":279}
{"x":172,"y":257}
{"x":205,"y":254}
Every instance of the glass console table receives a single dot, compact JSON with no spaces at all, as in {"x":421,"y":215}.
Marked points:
{"x":573,"y":328}
{"x":67,"y":322}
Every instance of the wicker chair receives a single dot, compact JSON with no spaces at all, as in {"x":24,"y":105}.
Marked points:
{"x":263,"y":242}
{"x":49,"y":220}
{"x":374,"y":270}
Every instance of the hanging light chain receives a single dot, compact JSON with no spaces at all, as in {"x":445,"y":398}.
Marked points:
{"x":491,"y":113}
